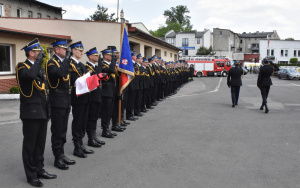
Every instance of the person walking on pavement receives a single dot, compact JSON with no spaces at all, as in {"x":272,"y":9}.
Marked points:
{"x":264,"y":81}
{"x":234,"y":82}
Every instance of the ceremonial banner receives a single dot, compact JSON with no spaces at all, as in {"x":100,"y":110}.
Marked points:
{"x":125,"y":65}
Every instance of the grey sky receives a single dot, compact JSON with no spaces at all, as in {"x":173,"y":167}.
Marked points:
{"x":236,"y":15}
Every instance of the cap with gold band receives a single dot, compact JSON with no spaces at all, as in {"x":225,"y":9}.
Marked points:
{"x":106,"y":51}
{"x":33,"y":45}
{"x":60,"y":43}
{"x":77,"y":45}
{"x":92,"y":51}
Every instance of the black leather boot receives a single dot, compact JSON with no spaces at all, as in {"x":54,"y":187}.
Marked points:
{"x":97,"y":139}
{"x":91,"y":141}
{"x":66,"y":159}
{"x":84,"y":149}
{"x":78,"y":151}
{"x":116,"y":127}
{"x":262,"y":106}
{"x":58,"y":161}
{"x":267,"y":109}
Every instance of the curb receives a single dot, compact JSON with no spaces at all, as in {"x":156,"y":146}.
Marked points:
{"x":9,"y":96}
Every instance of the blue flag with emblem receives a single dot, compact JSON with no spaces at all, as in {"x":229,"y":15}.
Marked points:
{"x":125,"y":65}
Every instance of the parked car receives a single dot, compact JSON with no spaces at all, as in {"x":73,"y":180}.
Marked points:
{"x":288,"y":74}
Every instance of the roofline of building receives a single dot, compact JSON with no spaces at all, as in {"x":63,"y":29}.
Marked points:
{"x":45,"y":4}
{"x":281,"y":40}
{"x":137,"y":32}
{"x":51,"y":36}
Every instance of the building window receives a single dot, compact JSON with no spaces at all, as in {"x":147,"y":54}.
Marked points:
{"x":5,"y":59}
{"x":286,"y":53}
{"x":198,"y":40}
{"x":19,"y":13}
{"x":29,"y":14}
{"x":272,"y":52}
{"x":241,"y":41}
{"x":165,"y":53}
{"x":172,"y":41}
{"x":268,"y":53}
{"x":185,"y":42}
{"x":171,"y":54}
{"x":1,"y":10}
{"x":298,"y":53}
{"x":221,"y":32}
{"x":281,"y":52}
{"x":295,"y":53}
{"x":185,"y":52}
{"x":48,"y":16}
{"x":39,"y":15}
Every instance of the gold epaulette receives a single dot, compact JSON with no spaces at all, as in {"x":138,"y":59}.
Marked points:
{"x":75,"y":70}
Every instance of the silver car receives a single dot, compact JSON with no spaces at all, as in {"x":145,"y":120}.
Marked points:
{"x":288,"y":74}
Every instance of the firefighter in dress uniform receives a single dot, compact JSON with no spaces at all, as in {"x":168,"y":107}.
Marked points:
{"x":33,"y":113}
{"x":58,"y":74}
{"x":234,"y":82}
{"x":80,"y":104}
{"x":95,"y":99}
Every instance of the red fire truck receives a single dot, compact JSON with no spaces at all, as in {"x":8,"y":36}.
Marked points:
{"x":210,"y":66}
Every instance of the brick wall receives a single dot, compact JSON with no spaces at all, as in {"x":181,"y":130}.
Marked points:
{"x":6,"y":84}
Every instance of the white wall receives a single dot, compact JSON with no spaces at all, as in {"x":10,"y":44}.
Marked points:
{"x":277,"y":46}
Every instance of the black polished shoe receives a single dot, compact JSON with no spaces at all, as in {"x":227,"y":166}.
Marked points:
{"x":79,"y":153}
{"x":125,"y":122}
{"x":99,"y":141}
{"x":267,"y":109}
{"x":131,"y":118}
{"x":114,"y":134}
{"x":94,"y":143}
{"x":262,"y":107}
{"x":139,"y":115}
{"x":60,"y":163}
{"x":154,"y":104}
{"x":150,"y":107}
{"x":67,"y":160}
{"x":46,"y":175}
{"x":233,"y":105}
{"x":107,"y":134}
{"x":35,"y":182}
{"x":117,"y":128}
{"x":144,"y":110}
{"x":86,"y":151}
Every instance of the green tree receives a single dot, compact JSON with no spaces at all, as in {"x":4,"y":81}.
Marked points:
{"x":205,"y":51}
{"x":290,"y":38}
{"x":178,"y":15}
{"x":294,"y":60}
{"x":101,"y":15}
{"x":176,"y":19}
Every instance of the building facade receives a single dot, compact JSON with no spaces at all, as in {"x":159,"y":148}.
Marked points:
{"x":281,"y":51}
{"x":189,"y":42}
{"x":29,"y":9}
{"x":236,"y":46}
{"x":18,"y":32}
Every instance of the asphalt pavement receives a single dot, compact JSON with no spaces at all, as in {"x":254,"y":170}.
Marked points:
{"x":191,"y":139}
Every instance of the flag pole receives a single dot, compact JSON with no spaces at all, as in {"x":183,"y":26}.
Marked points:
{"x":120,"y":93}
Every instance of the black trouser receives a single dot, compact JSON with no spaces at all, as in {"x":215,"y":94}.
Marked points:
{"x":80,"y":116}
{"x":264,"y":90}
{"x":144,"y":98}
{"x":94,"y":110}
{"x":107,"y":108}
{"x":34,"y":132}
{"x":137,"y":102}
{"x":115,"y":112}
{"x":130,"y":103}
{"x":235,"y":92}
{"x":59,"y":126}
{"x":150,"y":96}
{"x":124,"y":102}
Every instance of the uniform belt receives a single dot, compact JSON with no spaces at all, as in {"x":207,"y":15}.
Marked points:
{"x":62,"y":91}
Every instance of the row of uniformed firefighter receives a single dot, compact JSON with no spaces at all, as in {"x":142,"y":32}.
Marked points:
{"x":154,"y":80}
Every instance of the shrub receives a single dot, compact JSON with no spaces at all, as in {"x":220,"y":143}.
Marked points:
{"x":294,"y":60}
{"x":14,"y":90}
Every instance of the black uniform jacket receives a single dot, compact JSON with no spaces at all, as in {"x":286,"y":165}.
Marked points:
{"x":136,"y":80}
{"x":33,"y":97}
{"x":234,"y":76}
{"x":95,"y":95}
{"x":265,"y":72}
{"x":108,"y":86}
{"x":150,"y":69}
{"x":58,"y":75}
{"x":77,"y":70}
